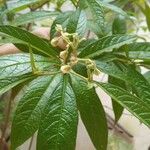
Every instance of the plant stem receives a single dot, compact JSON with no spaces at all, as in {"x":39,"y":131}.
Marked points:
{"x":48,"y":73}
{"x":31,"y":142}
{"x":88,"y":34}
{"x":33,"y":8}
{"x":32,"y":60}
{"x":74,"y":3}
{"x":78,"y":75}
{"x":8,"y":110}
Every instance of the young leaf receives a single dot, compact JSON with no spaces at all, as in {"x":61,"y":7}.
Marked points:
{"x":58,"y":125}
{"x":30,"y":39}
{"x":106,"y":44}
{"x":91,"y":111}
{"x":33,"y":16}
{"x":77,"y":22}
{"x":136,"y":106}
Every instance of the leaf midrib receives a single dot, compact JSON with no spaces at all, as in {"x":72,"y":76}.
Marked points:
{"x":61,"y":111}
{"x":130,"y":110}
{"x":39,"y":100}
{"x":100,"y":51}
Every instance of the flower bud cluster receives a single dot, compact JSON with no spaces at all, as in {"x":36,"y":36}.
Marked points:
{"x":68,"y":56}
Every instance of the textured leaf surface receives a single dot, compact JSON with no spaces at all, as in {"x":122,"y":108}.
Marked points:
{"x":77,"y":22}
{"x":59,"y":120}
{"x":139,"y":50}
{"x":9,"y":82}
{"x":106,"y":44}
{"x":61,"y":19}
{"x":129,"y":75}
{"x":91,"y":111}
{"x":119,"y":25}
{"x":7,"y":40}
{"x":147,"y":76}
{"x":20,"y":5}
{"x":30,"y":39}
{"x":33,"y":16}
{"x":16,"y":68}
{"x":136,"y":106}
{"x":28,"y":113}
{"x":112,"y":7}
{"x":97,"y":12}
{"x":117,"y":108}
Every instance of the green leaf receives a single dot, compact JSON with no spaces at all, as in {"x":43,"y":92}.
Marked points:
{"x":61,"y":19}
{"x":84,"y":43}
{"x":147,"y":76}
{"x":77,"y":22}
{"x":112,"y":7}
{"x":106,"y":44}
{"x":129,"y":75}
{"x":139,"y":50}
{"x":8,"y":83}
{"x":136,"y":106}
{"x":16,"y":68}
{"x":117,"y":108}
{"x":58,"y":126}
{"x":33,"y":16}
{"x":139,"y":55}
{"x":19,"y":5}
{"x":97,"y":12}
{"x":91,"y":26}
{"x":147,"y":12}
{"x":30,"y":39}
{"x":119,"y":25}
{"x":91,"y":111}
{"x":7,"y":40}
{"x":80,"y":69}
{"x":19,"y":64}
{"x":28,"y":113}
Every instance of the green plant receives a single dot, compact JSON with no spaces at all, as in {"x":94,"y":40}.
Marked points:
{"x":60,"y":83}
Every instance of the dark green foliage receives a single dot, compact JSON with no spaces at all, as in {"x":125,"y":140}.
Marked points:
{"x":60,"y":84}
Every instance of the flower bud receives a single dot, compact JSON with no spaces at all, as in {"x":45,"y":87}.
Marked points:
{"x":59,"y":28}
{"x":54,"y":41}
{"x":96,"y":72}
{"x":73,"y":60}
{"x":65,"y":69}
{"x":63,"y":55}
